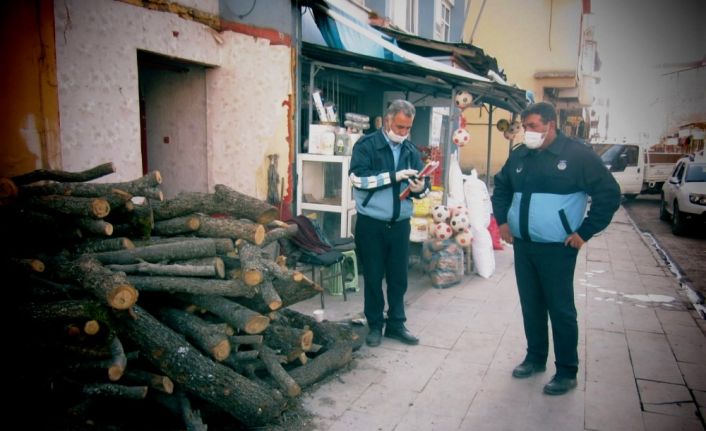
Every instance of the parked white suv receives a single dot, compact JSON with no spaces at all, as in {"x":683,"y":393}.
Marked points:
{"x":684,"y":195}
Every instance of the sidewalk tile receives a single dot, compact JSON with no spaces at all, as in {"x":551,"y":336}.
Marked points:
{"x":659,"y":422}
{"x":612,"y":406}
{"x":666,"y":398}
{"x":652,"y":357}
{"x":608,"y":358}
{"x":694,"y":374}
{"x":640,"y":319}
{"x":477,"y":347}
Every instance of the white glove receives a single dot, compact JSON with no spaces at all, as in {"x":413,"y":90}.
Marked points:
{"x":404,"y":174}
{"x":416,"y":186}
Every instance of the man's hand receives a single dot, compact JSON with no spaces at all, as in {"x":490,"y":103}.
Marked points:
{"x":574,"y":240}
{"x":505,"y":233}
{"x":404,"y":174}
{"x":416,"y":185}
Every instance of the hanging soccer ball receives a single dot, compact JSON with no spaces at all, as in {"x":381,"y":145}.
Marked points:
{"x":464,"y":237}
{"x":461,"y":137}
{"x":459,"y":222}
{"x":443,"y":231}
{"x":463,"y":99}
{"x":513,"y":130}
{"x":503,"y":125}
{"x":440,"y":213}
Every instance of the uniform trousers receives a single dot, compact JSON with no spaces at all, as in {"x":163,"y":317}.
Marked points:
{"x":383,"y":248}
{"x":545,"y":276}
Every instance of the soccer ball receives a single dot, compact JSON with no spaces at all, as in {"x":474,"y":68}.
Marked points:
{"x":461,"y":137}
{"x":463,"y":99}
{"x":513,"y":130}
{"x":456,"y":210}
{"x":442,"y":231}
{"x":440,"y":213}
{"x":464,"y":237}
{"x":459,"y":222}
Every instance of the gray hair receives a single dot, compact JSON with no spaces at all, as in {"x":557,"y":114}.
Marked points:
{"x":402,"y":106}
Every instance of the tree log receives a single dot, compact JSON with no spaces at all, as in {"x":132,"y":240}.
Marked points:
{"x":223,"y":245}
{"x":181,"y":250}
{"x":198,"y":332}
{"x":269,"y":295}
{"x":112,"y":288}
{"x":251,"y":264}
{"x":154,"y":381}
{"x":178,"y":225}
{"x":250,"y":403}
{"x":187,"y":203}
{"x":179,"y":404}
{"x":237,"y":340}
{"x":232,"y":313}
{"x":118,"y":360}
{"x":91,"y":327}
{"x":70,"y":205}
{"x":325,"y":333}
{"x":192,"y":285}
{"x":23,"y":266}
{"x":64,"y":176}
{"x":290,"y":341}
{"x":336,"y":357}
{"x":108,"y":244}
{"x":94,"y":226}
{"x":73,"y":310}
{"x":209,"y":267}
{"x":244,"y":206}
{"x":143,"y":186}
{"x":115,"y":391}
{"x":139,"y":222}
{"x":277,"y":233}
{"x":278,"y":373}
{"x":212,"y":227}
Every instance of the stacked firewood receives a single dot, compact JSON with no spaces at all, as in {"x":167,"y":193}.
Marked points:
{"x":210,"y":330}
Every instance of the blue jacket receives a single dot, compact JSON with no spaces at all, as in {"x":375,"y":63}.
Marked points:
{"x":372,"y":174}
{"x":543,"y":195}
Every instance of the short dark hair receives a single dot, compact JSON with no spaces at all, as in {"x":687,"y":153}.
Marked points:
{"x":544,"y":109}
{"x":402,"y":106}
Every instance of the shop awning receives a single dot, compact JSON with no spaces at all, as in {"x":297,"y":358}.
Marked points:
{"x":358,"y":47}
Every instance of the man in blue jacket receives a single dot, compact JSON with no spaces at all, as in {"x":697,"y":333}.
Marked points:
{"x":539,"y":200}
{"x":383,"y":163}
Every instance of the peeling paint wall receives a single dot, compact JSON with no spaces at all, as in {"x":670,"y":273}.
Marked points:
{"x":97,"y":43}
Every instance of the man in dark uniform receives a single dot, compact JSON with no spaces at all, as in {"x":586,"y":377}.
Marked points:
{"x":383,"y":163}
{"x":539,"y":200}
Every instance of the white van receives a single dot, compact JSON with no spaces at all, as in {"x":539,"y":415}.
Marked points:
{"x":636,"y":170}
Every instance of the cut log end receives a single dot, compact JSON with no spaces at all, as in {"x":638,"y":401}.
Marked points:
{"x":91,"y":327}
{"x":115,"y":372}
{"x":275,"y":305}
{"x":257,"y":324}
{"x":122,"y":297}
{"x":100,"y":207}
{"x":252,"y":277}
{"x":307,"y":340}
{"x":259,"y":235}
{"x":221,"y":350}
{"x":268,"y":216}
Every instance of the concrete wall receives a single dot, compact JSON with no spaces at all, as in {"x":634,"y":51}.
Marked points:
{"x":247,"y":89}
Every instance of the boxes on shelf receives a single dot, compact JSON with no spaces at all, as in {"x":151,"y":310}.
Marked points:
{"x":322,"y":138}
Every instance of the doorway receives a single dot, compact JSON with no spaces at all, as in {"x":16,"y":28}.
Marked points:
{"x":173,"y":122}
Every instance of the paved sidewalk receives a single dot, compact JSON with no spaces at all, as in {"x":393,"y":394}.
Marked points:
{"x":642,"y":351}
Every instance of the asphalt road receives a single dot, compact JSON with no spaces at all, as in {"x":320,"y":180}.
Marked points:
{"x":687,"y":253}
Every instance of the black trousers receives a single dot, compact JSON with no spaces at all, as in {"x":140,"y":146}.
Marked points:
{"x":545,"y":280}
{"x":383,"y":249}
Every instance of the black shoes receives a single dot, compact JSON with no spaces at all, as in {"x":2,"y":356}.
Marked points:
{"x":374,"y":337}
{"x":526,"y":369}
{"x":559,"y":385}
{"x":401,"y":334}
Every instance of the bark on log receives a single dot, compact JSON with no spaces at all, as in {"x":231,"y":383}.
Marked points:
{"x":112,"y":288}
{"x":101,"y":245}
{"x":231,"y":312}
{"x":278,"y":373}
{"x":237,"y":340}
{"x":198,"y":332}
{"x":325,"y":333}
{"x":286,"y":231}
{"x":223,"y":245}
{"x":94,"y":226}
{"x":143,"y":186}
{"x":245,"y":400}
{"x":118,"y":360}
{"x":115,"y":391}
{"x":70,"y":205}
{"x":212,"y":227}
{"x":177,"y":226}
{"x":179,"y":405}
{"x":187,"y":203}
{"x":209,"y":267}
{"x":75,"y":310}
{"x":16,"y":265}
{"x":251,"y":264}
{"x":244,"y":206}
{"x":289,"y":341}
{"x":139,"y":222}
{"x":155,"y":381}
{"x":269,"y":295}
{"x":192,"y":285}
{"x":336,"y":357}
{"x":64,"y":176}
{"x":181,"y":250}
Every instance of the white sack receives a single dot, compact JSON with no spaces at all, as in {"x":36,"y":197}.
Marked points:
{"x":477,"y":200}
{"x":482,"y":251}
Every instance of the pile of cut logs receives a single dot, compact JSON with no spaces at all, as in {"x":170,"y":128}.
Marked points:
{"x":211,"y":330}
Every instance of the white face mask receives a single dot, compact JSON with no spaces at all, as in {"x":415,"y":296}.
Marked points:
{"x":534,"y":140}
{"x":394,"y":137}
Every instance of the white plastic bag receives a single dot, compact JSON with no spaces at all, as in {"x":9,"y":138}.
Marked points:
{"x":482,"y":251}
{"x":477,"y":200}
